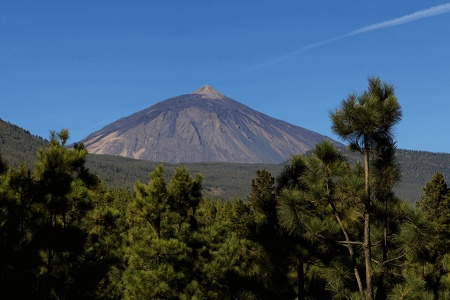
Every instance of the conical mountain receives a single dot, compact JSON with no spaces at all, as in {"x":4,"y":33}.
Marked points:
{"x":204,"y":126}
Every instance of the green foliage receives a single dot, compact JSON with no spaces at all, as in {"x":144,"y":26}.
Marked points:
{"x":265,"y":231}
{"x":104,"y":252}
{"x":411,"y":287}
{"x":160,"y":247}
{"x":45,"y":226}
{"x":64,"y":234}
{"x":290,"y":174}
{"x":436,"y":205}
{"x":3,"y":165}
{"x":366,"y":121}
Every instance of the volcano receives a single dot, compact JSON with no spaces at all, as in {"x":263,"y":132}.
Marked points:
{"x":204,"y":126}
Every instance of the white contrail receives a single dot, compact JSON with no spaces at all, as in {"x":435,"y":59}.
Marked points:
{"x":421,"y":14}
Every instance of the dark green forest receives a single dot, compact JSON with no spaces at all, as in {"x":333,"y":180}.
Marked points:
{"x":220,"y":180}
{"x":325,"y":225}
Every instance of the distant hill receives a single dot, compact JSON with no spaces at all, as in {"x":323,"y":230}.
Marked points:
{"x":17,"y":145}
{"x":221,"y":180}
{"x":417,"y":168}
{"x":205,"y":126}
{"x":228,"y":180}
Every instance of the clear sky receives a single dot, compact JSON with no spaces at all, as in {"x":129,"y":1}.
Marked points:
{"x":83,"y":64}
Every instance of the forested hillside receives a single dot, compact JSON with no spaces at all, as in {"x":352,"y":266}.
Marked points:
{"x":221,"y":180}
{"x":17,"y":145}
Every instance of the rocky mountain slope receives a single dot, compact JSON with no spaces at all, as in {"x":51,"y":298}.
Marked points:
{"x":205,"y":126}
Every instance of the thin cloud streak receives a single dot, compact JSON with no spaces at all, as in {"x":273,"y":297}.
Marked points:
{"x":294,"y":53}
{"x":421,"y":14}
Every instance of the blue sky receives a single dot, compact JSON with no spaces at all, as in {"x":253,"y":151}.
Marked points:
{"x":83,"y":64}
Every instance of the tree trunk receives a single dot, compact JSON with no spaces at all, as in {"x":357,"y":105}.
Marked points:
{"x":366,"y":243}
{"x":300,"y":280}
{"x":350,"y":250}
{"x":368,"y":255}
{"x":381,"y":291}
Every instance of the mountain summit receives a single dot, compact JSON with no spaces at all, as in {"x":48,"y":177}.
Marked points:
{"x":204,"y":126}
{"x":209,"y":92}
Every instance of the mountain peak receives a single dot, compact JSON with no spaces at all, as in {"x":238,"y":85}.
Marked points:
{"x":204,"y":126}
{"x":209,"y":92}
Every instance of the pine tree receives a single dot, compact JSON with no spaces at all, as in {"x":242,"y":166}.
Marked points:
{"x":19,"y":258}
{"x":66,"y":196}
{"x":366,"y":121}
{"x":436,"y":205}
{"x":160,"y":251}
{"x":385,"y":175}
{"x":267,"y":232}
{"x":45,"y":213}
